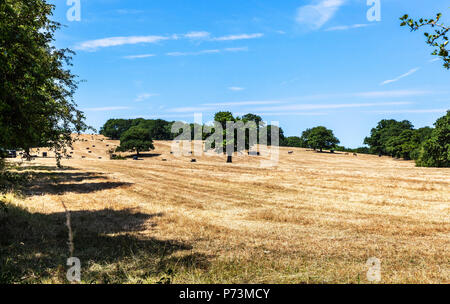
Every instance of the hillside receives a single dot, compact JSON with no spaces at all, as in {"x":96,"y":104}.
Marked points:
{"x":314,"y":218}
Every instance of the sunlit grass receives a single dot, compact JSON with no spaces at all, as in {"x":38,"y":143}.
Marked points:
{"x":315,"y":218}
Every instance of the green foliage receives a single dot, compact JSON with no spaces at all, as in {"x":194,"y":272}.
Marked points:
{"x":36,"y":87}
{"x":158,"y":129}
{"x":397,"y":139}
{"x":319,"y":138}
{"x":305,"y":138}
{"x":361,"y":150}
{"x":402,"y":146}
{"x":278,"y":130}
{"x":383,"y":132}
{"x":252,"y":117}
{"x":294,"y":141}
{"x":114,"y":128}
{"x":438,"y":40}
{"x":435,"y":151}
{"x":223,"y":118}
{"x":136,"y":139}
{"x":2,"y":160}
{"x":117,"y":157}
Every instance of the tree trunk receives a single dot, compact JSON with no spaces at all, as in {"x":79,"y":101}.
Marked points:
{"x":27,"y":154}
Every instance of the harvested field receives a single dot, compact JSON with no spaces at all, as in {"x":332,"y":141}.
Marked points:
{"x":315,"y":218}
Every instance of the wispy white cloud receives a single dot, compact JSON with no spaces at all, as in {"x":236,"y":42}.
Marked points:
{"x":236,"y":89}
{"x":93,"y":45}
{"x":190,"y":109}
{"x":346,"y":27}
{"x":106,"y":109}
{"x":186,"y":115}
{"x":193,"y":53}
{"x":366,"y":95}
{"x":298,"y":105}
{"x":288,"y":113}
{"x":315,"y":16}
{"x":139,"y":56}
{"x":145,"y":96}
{"x":410,"y":72}
{"x":238,"y":37}
{"x":243,"y":103}
{"x":417,"y":111}
{"x":304,"y":107}
{"x":203,"y":52}
{"x":237,"y":49}
{"x":197,"y":35}
{"x":391,"y":94}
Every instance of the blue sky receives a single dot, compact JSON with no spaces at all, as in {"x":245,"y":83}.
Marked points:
{"x":302,"y":63}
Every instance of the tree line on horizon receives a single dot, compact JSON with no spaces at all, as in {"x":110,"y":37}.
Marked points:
{"x":37,"y":108}
{"x":429,"y":147}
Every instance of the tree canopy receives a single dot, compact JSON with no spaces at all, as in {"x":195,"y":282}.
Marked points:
{"x":438,"y":39}
{"x":294,"y":141}
{"x":435,"y":151}
{"x":319,"y":138}
{"x":385,"y":130}
{"x":136,"y":139}
{"x":159,"y":129}
{"x":36,"y":86}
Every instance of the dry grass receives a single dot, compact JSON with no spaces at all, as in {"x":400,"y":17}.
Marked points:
{"x":315,"y":218}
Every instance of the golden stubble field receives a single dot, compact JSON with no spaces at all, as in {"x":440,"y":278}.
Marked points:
{"x":315,"y":218}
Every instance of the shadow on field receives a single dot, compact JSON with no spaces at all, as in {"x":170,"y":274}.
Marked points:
{"x":113,"y":246}
{"x":34,"y":247}
{"x":145,"y":155}
{"x":41,"y":180}
{"x":83,"y":188}
{"x":42,"y":168}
